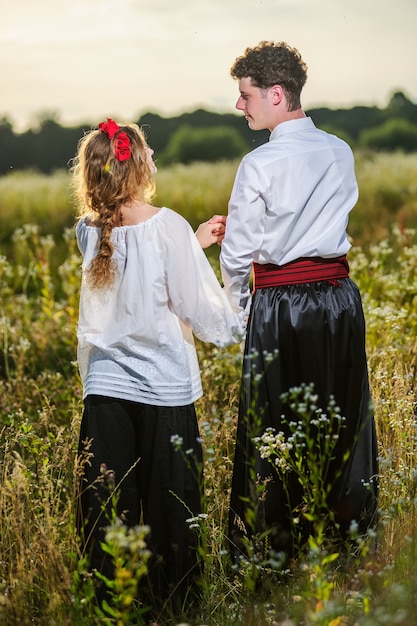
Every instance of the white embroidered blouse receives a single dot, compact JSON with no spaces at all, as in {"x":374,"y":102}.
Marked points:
{"x":135,"y":340}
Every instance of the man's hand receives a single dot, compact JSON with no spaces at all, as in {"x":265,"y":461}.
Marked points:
{"x":211,"y":231}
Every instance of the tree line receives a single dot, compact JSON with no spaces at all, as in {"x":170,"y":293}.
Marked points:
{"x":207,"y":136}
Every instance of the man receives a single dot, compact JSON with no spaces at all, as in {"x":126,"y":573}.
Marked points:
{"x":287,"y":218}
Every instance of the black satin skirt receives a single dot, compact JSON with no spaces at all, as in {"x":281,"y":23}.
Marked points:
{"x":158,"y":484}
{"x":315,"y":333}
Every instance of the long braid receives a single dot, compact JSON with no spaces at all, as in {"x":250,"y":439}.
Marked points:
{"x":102,"y":268}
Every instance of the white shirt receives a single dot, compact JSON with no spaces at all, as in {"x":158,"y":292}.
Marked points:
{"x":135,"y":340}
{"x":291,"y":198}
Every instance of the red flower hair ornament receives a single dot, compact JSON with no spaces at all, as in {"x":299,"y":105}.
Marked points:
{"x":121,"y":143}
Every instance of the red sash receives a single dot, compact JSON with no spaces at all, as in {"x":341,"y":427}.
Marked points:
{"x":303,"y":270}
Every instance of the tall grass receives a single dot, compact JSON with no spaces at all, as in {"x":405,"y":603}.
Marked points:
{"x":387,"y":195}
{"x":43,"y":578}
{"x":34,"y":198}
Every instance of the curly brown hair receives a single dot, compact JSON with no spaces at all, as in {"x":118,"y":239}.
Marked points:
{"x":270,"y":63}
{"x":103,"y":184}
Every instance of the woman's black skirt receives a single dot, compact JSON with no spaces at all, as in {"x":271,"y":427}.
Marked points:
{"x":305,"y":334}
{"x":152,"y":457}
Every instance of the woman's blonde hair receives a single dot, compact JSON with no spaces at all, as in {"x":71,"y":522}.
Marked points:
{"x":103,"y":184}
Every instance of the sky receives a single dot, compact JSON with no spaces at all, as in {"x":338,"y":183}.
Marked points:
{"x":84,"y":60}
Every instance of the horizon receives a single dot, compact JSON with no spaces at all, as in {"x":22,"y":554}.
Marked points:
{"x":55,"y":115}
{"x":122,"y":58}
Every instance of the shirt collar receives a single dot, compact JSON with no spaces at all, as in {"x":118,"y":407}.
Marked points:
{"x":292,"y":126}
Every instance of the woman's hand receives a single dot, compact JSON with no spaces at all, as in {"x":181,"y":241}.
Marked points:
{"x":211,"y":231}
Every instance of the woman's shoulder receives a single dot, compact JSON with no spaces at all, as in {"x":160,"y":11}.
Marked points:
{"x":85,"y":234}
{"x":86,"y":221}
{"x":175,"y":219}
{"x":81,"y":225}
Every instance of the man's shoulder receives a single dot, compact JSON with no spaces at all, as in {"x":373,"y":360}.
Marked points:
{"x":259,"y":152}
{"x":269,"y":151}
{"x":334,"y":139}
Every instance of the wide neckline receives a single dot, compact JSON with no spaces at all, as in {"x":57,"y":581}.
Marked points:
{"x":128,"y":226}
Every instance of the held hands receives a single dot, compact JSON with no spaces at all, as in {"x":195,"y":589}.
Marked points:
{"x":211,"y":231}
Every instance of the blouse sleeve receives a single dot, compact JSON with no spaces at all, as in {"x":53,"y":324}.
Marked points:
{"x":87,"y":241}
{"x":195,"y":294}
{"x":244,"y":231}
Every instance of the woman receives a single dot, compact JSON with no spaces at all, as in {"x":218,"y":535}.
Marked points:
{"x":147,"y":286}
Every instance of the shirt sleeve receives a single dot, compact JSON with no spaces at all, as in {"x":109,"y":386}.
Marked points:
{"x":244,"y":232}
{"x":195,"y":294}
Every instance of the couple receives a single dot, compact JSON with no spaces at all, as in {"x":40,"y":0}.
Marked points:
{"x":147,"y":287}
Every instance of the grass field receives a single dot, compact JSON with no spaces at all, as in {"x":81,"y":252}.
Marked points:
{"x":43,"y":579}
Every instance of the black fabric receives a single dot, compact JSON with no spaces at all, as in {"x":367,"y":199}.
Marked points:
{"x":162,"y":490}
{"x":318,"y":331}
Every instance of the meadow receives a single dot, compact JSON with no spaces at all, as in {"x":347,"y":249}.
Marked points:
{"x":43,"y":577}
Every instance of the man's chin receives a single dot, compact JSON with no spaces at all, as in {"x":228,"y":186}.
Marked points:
{"x":252,"y":124}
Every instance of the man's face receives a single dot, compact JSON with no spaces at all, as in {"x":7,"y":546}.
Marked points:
{"x":255,"y":103}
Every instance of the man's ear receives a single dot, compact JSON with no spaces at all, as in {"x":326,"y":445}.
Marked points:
{"x":277,"y":93}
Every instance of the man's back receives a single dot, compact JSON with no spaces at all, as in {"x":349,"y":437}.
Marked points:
{"x":291,"y":198}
